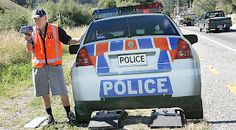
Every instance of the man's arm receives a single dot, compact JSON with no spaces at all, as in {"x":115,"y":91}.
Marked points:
{"x":29,"y":47}
{"x":66,"y":39}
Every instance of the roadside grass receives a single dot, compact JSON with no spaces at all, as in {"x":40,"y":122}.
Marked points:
{"x":14,"y":64}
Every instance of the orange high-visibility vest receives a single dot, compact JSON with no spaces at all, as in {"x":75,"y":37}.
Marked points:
{"x":53,"y":48}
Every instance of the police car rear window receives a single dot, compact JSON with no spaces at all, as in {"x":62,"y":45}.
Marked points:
{"x":139,"y":25}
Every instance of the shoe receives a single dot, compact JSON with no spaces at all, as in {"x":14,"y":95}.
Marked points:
{"x":72,"y":118}
{"x":50,"y":120}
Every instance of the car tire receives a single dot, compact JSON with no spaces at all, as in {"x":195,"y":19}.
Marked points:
{"x":82,"y":118}
{"x":227,"y":29}
{"x":195,"y":111}
{"x":200,"y":29}
{"x":194,"y":115}
{"x":207,"y":30}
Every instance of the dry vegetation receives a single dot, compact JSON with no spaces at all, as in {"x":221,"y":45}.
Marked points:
{"x":12,"y":48}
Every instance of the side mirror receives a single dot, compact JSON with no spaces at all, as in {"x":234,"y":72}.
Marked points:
{"x":192,"y":38}
{"x":73,"y":49}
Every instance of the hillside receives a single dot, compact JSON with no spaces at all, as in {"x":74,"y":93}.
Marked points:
{"x":12,"y":16}
{"x":10,"y":7}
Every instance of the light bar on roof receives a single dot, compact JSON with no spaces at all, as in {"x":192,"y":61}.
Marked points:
{"x":109,"y":12}
{"x":103,"y":13}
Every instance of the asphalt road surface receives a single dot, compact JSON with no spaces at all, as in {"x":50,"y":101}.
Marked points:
{"x":217,"y":52}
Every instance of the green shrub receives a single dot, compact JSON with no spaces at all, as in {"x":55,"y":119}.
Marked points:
{"x":68,"y":13}
{"x":14,"y":76}
{"x":106,"y":4}
{"x":1,"y":10}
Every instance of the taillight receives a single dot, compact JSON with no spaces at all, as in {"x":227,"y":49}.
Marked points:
{"x":83,"y":58}
{"x":183,"y":50}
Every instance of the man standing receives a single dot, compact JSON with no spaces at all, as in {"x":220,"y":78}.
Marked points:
{"x":45,"y":45}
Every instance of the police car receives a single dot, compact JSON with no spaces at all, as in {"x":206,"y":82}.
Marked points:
{"x":133,"y":61}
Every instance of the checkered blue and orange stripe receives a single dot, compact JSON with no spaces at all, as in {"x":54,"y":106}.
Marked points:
{"x":167,"y":45}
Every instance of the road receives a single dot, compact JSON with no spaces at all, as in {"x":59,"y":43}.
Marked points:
{"x":217,"y":52}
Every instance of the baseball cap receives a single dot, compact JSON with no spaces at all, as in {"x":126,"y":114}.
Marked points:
{"x":38,"y":13}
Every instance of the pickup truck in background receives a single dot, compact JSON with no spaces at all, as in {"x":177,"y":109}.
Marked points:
{"x":214,"y":20}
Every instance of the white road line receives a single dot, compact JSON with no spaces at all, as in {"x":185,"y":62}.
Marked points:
{"x":218,"y":43}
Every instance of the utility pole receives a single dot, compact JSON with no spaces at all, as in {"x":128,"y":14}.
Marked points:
{"x":177,"y":7}
{"x":190,"y":5}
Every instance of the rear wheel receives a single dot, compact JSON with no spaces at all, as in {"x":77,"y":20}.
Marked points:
{"x":82,"y":117}
{"x":197,"y":114}
{"x":195,"y":111}
{"x":227,"y":29}
{"x":207,"y":30}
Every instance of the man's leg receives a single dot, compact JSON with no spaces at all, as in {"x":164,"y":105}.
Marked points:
{"x":47,"y":101}
{"x":47,"y":104}
{"x":58,"y":87}
{"x":66,"y":103}
{"x":65,"y":100}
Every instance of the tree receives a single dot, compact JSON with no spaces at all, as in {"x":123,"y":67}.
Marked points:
{"x":201,"y":6}
{"x":169,"y":6}
{"x":67,"y":12}
{"x":20,"y":2}
{"x":144,"y":1}
{"x":106,"y":4}
{"x":228,"y":6}
{"x":120,"y":3}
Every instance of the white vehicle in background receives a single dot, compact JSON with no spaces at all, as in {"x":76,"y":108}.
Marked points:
{"x":179,"y":20}
{"x":136,"y":61}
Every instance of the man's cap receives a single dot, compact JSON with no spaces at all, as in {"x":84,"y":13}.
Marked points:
{"x":38,"y":13}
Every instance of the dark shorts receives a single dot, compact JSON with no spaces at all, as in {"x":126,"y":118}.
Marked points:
{"x":49,"y":77}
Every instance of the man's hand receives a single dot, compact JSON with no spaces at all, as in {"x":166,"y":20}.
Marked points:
{"x":29,"y":42}
{"x":74,"y":41}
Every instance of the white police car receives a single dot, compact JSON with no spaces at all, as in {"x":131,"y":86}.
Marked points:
{"x":136,"y":61}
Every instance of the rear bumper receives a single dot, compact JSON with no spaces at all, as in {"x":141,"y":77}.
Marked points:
{"x":214,"y":27}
